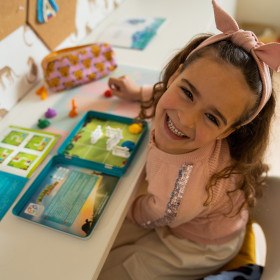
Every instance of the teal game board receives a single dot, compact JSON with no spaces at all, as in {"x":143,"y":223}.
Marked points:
{"x":72,"y":190}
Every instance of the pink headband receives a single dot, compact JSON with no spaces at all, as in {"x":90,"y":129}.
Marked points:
{"x":264,"y":55}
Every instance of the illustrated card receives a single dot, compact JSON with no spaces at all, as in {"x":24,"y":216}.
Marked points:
{"x":21,"y":149}
{"x":69,"y":198}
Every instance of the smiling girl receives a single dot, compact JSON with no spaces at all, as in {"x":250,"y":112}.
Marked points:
{"x":212,"y":112}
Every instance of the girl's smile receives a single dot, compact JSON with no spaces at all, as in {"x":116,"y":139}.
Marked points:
{"x":200,"y":105}
{"x":173,"y":131}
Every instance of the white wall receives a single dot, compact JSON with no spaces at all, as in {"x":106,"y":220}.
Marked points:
{"x":22,"y":51}
{"x":229,"y":6}
{"x":259,"y":11}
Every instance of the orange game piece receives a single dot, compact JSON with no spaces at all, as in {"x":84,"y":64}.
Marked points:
{"x":39,"y":90}
{"x":44,"y":95}
{"x":42,"y":91}
{"x":73,"y":112}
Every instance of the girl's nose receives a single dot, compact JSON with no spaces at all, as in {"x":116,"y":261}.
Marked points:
{"x":188,"y":119}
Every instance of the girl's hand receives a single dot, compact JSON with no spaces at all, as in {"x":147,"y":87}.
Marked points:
{"x":124,"y":87}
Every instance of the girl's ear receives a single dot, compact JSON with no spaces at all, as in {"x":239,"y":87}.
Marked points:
{"x":226,"y":133}
{"x":174,"y":75}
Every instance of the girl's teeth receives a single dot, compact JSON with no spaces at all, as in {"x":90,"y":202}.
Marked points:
{"x":174,"y":129}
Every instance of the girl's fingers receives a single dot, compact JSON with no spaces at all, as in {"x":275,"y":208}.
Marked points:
{"x":115,"y":83}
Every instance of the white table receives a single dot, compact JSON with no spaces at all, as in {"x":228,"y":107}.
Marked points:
{"x":28,"y":251}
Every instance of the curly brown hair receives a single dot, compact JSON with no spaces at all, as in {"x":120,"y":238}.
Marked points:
{"x":247,"y":143}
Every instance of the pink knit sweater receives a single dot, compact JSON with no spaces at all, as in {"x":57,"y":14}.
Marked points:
{"x":176,"y":195}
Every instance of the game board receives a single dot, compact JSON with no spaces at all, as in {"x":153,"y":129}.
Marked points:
{"x":73,"y":189}
{"x":81,"y":146}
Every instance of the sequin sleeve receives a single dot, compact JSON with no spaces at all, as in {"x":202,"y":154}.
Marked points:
{"x":175,"y":199}
{"x":152,"y":210}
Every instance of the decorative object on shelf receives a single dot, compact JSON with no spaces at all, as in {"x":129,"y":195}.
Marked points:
{"x":46,"y":9}
{"x":32,"y":75}
{"x":55,"y":31}
{"x":8,"y":73}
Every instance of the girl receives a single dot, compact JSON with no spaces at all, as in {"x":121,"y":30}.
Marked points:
{"x":212,"y":113}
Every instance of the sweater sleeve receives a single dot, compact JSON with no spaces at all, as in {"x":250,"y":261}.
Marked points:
{"x":146,"y":92}
{"x":170,"y":201}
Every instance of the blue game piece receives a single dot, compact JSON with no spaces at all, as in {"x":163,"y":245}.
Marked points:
{"x":129,"y":144}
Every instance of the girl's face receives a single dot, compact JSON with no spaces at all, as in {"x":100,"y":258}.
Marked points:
{"x":200,"y":105}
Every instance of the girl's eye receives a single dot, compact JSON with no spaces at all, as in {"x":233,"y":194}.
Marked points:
{"x":187,"y":93}
{"x":212,"y":119}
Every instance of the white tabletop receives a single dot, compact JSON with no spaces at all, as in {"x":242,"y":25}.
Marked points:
{"x":29,"y":251}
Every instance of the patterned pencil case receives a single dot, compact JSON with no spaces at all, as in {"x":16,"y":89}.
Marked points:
{"x":74,"y":66}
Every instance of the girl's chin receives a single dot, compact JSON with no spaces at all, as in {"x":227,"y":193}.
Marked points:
{"x":171,"y":148}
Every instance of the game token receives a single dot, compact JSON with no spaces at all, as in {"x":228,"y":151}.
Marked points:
{"x":50,"y":113}
{"x":42,"y":123}
{"x":108,"y":93}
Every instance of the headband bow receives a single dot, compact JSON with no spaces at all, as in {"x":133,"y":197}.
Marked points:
{"x":264,"y":54}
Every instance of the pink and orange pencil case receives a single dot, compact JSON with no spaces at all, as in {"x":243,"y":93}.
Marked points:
{"x":70,"y":67}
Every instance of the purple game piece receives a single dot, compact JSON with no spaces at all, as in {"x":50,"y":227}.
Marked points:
{"x":50,"y":113}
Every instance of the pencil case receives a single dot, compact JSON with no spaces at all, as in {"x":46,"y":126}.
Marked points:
{"x":70,"y":67}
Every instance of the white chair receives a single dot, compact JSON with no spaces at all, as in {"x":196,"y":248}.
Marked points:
{"x":267,"y":215}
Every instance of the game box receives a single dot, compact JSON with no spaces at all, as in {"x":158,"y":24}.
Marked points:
{"x":21,"y":151}
{"x":72,"y":190}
